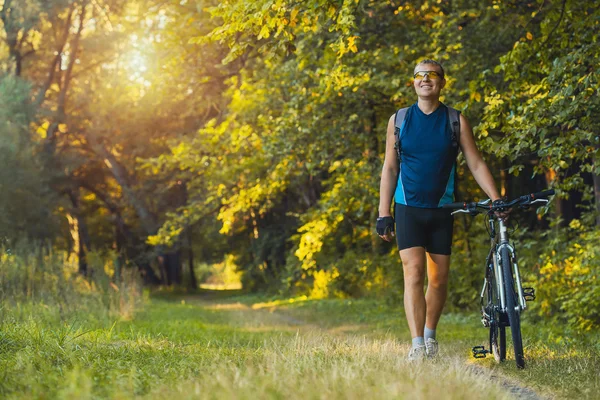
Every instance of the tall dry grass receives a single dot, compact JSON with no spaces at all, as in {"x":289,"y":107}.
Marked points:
{"x":36,"y":281}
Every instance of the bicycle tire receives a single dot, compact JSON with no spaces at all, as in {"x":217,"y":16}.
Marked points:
{"x":502,"y":343}
{"x":514,"y":318}
{"x":494,"y":341}
{"x":497,"y":332}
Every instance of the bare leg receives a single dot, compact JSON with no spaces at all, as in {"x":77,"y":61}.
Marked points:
{"x":438,"y":267}
{"x":413,"y":264}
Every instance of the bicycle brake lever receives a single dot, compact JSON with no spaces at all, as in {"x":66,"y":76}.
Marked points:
{"x":545,"y":201}
{"x":459,"y":211}
{"x":529,"y":204}
{"x":525,"y":206}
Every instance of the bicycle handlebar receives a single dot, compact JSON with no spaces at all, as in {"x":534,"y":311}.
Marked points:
{"x":458,"y":205}
{"x":487,"y":205}
{"x":543,"y":194}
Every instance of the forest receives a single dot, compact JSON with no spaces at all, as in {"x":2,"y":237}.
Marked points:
{"x":170,"y":137}
{"x":189,"y":192}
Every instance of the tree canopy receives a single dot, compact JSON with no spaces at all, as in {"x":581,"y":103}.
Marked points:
{"x":178,"y":132}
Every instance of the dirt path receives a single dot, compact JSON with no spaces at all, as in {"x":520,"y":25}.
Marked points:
{"x":516,"y":389}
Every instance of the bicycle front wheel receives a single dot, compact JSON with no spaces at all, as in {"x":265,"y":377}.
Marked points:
{"x":512,"y":302}
{"x":497,"y":341}
{"x":497,"y":327}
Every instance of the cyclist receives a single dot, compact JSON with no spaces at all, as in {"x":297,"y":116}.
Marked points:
{"x":421,"y":182}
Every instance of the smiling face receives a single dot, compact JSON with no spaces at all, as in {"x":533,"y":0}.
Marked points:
{"x":429,"y":87}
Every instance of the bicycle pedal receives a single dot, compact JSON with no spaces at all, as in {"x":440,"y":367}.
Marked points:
{"x":529,"y":293}
{"x":479,"y":352}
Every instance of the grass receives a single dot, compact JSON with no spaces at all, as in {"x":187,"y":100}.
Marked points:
{"x":218,"y":346}
{"x":557,"y":366}
{"x":65,"y":337}
{"x":257,"y":353}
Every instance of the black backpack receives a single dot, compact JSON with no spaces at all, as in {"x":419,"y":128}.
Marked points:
{"x":453,"y":120}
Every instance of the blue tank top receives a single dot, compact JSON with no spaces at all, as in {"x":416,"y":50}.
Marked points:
{"x":427,"y":160}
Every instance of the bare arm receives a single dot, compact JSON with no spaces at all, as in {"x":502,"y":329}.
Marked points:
{"x":475,"y":162}
{"x":389,"y":173}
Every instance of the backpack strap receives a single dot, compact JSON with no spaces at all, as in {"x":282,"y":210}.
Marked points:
{"x":399,"y":122}
{"x":454,"y":120}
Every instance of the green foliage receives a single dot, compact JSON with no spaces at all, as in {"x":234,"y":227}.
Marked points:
{"x":547,"y":104}
{"x":544,"y":111}
{"x":26,"y":203}
{"x":297,"y":130}
{"x":257,"y":128}
{"x":566,"y":278}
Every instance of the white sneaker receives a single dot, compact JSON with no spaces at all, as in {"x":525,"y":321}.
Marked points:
{"x":418,"y":353}
{"x":432,"y":348}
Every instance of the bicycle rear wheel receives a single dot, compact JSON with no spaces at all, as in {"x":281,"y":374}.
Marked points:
{"x":514,"y":317}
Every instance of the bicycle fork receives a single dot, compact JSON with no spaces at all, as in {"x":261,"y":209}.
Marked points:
{"x":495,"y":263}
{"x":498,"y":270}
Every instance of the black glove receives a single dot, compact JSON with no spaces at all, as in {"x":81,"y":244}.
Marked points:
{"x":385,"y":225}
{"x":498,"y":205}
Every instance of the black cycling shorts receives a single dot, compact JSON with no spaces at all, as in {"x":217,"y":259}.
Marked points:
{"x":430,"y":228}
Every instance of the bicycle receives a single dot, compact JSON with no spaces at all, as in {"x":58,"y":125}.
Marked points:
{"x":502,"y":297}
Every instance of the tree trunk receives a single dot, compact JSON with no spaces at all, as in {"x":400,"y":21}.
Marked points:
{"x":170,"y":266}
{"x":41,"y":95}
{"x":122,"y":177}
{"x":79,"y":232}
{"x":148,"y":273}
{"x":12,"y":33}
{"x":120,"y":259}
{"x":125,"y":242}
{"x":193,"y":281}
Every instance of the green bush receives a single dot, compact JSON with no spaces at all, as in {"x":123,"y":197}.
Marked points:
{"x":568,"y":278}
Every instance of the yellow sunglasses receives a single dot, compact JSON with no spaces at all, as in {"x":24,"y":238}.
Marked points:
{"x":432,"y":75}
